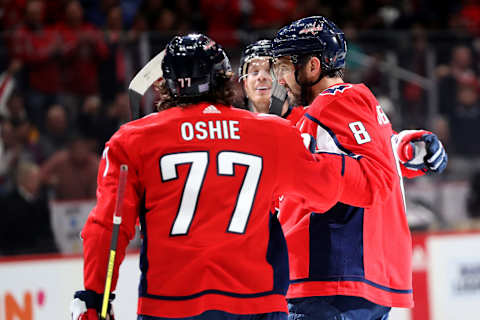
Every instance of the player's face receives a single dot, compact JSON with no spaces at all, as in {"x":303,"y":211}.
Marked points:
{"x":285,"y":73}
{"x":258,"y":83}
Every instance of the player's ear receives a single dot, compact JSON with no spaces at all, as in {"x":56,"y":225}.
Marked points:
{"x":314,"y":65}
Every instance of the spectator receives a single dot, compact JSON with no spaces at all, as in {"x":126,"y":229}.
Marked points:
{"x":223,"y":18}
{"x":11,"y":13}
{"x":149,"y":10}
{"x":25,"y":226}
{"x":355,"y":54}
{"x":9,"y":152}
{"x":27,"y":137}
{"x":449,"y":76}
{"x":414,"y":58}
{"x":113,"y":71}
{"x":465,"y":118}
{"x":470,"y":16}
{"x":360,"y":13}
{"x":88,"y":121}
{"x":162,"y":28}
{"x":15,"y":106}
{"x":17,"y":144}
{"x":189,"y":16}
{"x":26,"y":132}
{"x":56,"y":132}
{"x":84,"y":49}
{"x":98,"y":123}
{"x":8,"y":83}
{"x":38,"y":48}
{"x":307,"y":8}
{"x":72,"y":172}
{"x":271,"y":14}
{"x":96,"y":11}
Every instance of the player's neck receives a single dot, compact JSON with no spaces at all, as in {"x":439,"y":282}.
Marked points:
{"x":261,"y":106}
{"x":324,"y":84}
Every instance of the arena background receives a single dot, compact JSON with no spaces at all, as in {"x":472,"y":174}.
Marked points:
{"x":64,"y":70}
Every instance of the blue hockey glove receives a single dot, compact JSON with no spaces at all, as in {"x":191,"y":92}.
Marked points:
{"x":87,"y":305}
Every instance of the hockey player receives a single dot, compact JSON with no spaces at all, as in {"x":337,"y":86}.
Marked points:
{"x":202,"y":176}
{"x":266,"y":94}
{"x":263,"y":93}
{"x":352,"y":261}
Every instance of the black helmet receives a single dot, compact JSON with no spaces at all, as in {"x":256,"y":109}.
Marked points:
{"x":312,"y":35}
{"x":192,"y":65}
{"x":258,"y":49}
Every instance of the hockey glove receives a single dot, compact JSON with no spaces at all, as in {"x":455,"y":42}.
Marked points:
{"x":87,"y":305}
{"x":278,"y":98}
{"x":421,"y":150}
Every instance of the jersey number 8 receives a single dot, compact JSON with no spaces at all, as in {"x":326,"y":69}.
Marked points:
{"x":359,"y":132}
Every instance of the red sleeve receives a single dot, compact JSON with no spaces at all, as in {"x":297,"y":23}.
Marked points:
{"x":294,"y":114}
{"x":347,"y":126}
{"x":411,"y":173}
{"x":97,"y":232}
{"x":314,"y":178}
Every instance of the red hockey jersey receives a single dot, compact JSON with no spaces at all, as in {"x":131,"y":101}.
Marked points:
{"x":201,"y":181}
{"x":361,"y":246}
{"x":294,"y":114}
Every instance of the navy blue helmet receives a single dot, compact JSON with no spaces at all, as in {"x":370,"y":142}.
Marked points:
{"x":312,"y":35}
{"x":193,"y":65}
{"x":258,"y":49}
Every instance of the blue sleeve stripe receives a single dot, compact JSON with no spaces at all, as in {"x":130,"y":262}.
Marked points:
{"x":357,"y":279}
{"x":343,"y":159}
{"x":144,"y":263}
{"x":331,"y":133}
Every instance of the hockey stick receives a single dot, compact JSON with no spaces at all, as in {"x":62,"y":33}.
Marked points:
{"x":150,"y":73}
{"x":117,"y":220}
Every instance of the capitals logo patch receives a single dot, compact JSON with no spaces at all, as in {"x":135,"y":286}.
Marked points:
{"x":335,"y":89}
{"x":313,"y":29}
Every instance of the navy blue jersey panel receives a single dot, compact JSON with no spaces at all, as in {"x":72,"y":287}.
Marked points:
{"x":142,"y":288}
{"x":277,"y":256}
{"x":336,"y":242}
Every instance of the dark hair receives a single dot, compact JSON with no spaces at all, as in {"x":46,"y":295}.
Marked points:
{"x":332,"y":73}
{"x":225,"y":92}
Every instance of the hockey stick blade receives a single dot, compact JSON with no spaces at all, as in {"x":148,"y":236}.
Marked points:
{"x":135,"y":99}
{"x":150,"y":73}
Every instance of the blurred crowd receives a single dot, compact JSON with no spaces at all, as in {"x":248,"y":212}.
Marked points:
{"x":65,"y":67}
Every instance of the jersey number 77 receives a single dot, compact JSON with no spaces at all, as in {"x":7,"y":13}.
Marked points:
{"x":199,"y":162}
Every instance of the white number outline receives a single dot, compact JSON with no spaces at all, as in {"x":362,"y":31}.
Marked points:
{"x":226,"y":161}
{"x":107,"y":163}
{"x":381,"y":116}
{"x":198,"y":161}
